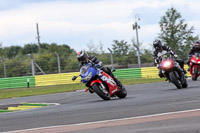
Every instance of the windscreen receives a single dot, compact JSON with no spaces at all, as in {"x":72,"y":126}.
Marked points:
{"x":162,"y":53}
{"x":84,"y":69}
{"x":197,"y":54}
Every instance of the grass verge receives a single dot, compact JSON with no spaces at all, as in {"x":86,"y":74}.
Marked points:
{"x":21,"y":92}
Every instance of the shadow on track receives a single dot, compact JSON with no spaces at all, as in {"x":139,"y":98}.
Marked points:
{"x":112,"y":99}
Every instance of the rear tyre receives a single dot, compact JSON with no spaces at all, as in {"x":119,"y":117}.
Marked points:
{"x":175,"y":79}
{"x":122,"y":93}
{"x":104,"y":94}
{"x":196,"y":69}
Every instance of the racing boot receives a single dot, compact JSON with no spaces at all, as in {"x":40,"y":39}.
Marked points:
{"x":90,"y":90}
{"x":119,"y":84}
{"x":184,"y":72}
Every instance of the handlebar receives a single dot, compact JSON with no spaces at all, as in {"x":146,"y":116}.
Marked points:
{"x":75,"y":77}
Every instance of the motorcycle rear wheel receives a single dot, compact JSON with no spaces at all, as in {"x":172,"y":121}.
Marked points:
{"x":99,"y":92}
{"x":175,"y":79}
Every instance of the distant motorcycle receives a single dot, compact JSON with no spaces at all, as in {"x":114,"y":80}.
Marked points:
{"x":172,"y":70}
{"x":100,"y":82}
{"x":194,"y":66}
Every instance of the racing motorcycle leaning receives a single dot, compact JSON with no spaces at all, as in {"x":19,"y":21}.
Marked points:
{"x":172,"y":70}
{"x":100,"y":82}
{"x":194,"y":66}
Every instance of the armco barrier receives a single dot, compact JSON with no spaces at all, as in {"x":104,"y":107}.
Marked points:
{"x":149,"y":72}
{"x":56,"y":79}
{"x":16,"y":82}
{"x":152,"y":72}
{"x":186,"y":68}
{"x":131,"y":73}
{"x":66,"y":78}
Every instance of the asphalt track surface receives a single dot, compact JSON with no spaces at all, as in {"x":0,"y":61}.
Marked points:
{"x":148,"y":108}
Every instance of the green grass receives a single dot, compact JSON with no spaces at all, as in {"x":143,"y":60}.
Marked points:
{"x":21,"y":92}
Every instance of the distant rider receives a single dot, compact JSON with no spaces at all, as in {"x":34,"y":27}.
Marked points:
{"x":159,"y":47}
{"x":83,"y":59}
{"x":193,"y":50}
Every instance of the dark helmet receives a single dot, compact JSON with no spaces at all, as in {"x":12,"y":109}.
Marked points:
{"x":157,"y":45}
{"x":197,"y":44}
{"x":82,"y":56}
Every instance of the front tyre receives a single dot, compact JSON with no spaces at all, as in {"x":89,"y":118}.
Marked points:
{"x":174,"y":79}
{"x":122,"y":93}
{"x":196,"y":72}
{"x":185,"y":84}
{"x":101,"y":92}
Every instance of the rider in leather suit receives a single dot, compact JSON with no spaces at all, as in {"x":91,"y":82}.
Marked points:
{"x":194,"y":49}
{"x":83,"y":58}
{"x":159,"y":47}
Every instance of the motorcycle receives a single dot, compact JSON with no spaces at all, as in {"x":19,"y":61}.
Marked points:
{"x":194,"y":66}
{"x":100,"y":82}
{"x":172,"y":70}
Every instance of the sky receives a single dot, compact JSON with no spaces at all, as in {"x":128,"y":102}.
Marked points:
{"x":78,"y":23}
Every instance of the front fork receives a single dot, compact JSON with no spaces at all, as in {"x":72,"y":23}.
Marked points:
{"x":179,"y":74}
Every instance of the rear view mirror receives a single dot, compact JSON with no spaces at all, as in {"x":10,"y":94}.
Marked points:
{"x":113,"y":70}
{"x":74,"y":78}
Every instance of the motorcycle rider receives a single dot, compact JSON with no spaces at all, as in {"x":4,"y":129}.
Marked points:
{"x":83,"y":59}
{"x":194,"y":49}
{"x":159,"y":47}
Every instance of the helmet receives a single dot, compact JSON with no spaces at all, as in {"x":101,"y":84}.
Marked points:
{"x":82,"y":56}
{"x":157,"y":45}
{"x":197,"y":44}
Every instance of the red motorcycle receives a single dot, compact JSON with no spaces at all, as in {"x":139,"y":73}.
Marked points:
{"x":194,"y":66}
{"x":100,"y":82}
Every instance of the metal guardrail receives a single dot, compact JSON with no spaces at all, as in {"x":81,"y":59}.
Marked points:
{"x":66,"y":78}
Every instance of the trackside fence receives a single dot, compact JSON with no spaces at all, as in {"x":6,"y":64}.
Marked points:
{"x":66,"y":78}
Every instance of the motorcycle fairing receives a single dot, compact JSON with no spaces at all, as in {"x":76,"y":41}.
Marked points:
{"x":110,"y":82}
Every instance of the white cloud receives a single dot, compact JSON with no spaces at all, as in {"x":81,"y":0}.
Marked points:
{"x":77,"y":23}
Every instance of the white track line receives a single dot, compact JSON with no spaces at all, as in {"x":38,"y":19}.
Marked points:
{"x":147,"y":116}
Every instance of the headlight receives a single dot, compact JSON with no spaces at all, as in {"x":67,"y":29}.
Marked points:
{"x":193,"y":61}
{"x":198,"y":62}
{"x":87,"y":78}
{"x":167,"y":64}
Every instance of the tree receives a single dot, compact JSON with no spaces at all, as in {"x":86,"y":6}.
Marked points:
{"x":176,"y":33}
{"x":120,"y":50}
{"x":30,"y":49}
{"x":146,"y":56}
{"x":92,"y":49}
{"x":13,"y":51}
{"x":1,"y":49}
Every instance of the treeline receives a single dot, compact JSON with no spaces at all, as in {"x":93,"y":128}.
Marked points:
{"x":18,"y":63}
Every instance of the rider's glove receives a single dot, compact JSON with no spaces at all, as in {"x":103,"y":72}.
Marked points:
{"x":158,"y":66}
{"x":175,"y":55}
{"x":97,"y":66}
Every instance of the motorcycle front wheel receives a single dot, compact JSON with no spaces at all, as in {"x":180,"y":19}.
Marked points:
{"x":100,"y":91}
{"x":174,"y":79}
{"x":122,"y":93}
{"x":196,"y":72}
